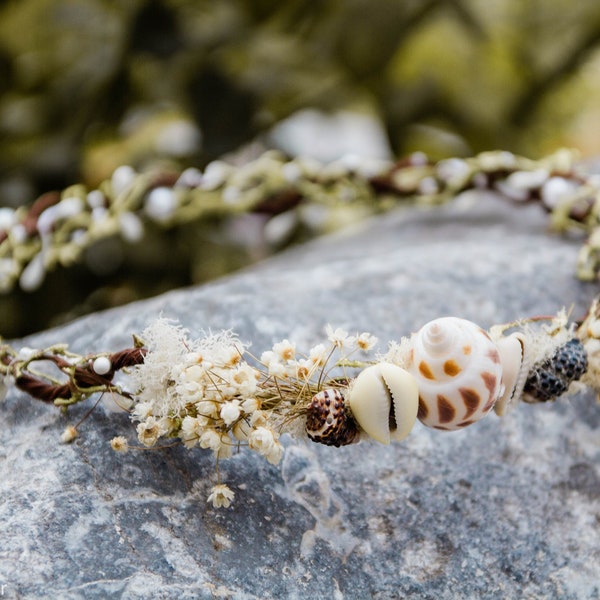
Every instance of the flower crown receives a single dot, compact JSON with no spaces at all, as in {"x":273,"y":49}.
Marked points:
{"x":214,"y":393}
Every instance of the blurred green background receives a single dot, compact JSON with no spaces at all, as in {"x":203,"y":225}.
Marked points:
{"x":88,"y":85}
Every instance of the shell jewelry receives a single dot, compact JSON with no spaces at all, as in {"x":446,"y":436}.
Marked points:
{"x":327,"y":420}
{"x":213,"y":394}
{"x":458,"y":372}
{"x":384,"y":400}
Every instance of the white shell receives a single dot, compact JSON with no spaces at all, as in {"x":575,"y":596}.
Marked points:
{"x":458,"y":371}
{"x":511,"y":358}
{"x":384,"y":400}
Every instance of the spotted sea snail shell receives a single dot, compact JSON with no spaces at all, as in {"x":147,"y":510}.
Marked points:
{"x":458,"y":372}
{"x":327,"y":420}
{"x":384,"y":400}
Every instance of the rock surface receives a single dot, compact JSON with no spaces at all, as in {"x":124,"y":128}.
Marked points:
{"x":507,"y":508}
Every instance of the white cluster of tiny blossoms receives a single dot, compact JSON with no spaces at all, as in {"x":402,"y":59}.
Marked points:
{"x":202,"y":391}
{"x":282,"y":360}
{"x":207,"y":394}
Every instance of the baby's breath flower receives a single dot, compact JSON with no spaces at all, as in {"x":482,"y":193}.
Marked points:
{"x":166,"y":426}
{"x":221,"y":496}
{"x":249,"y":405}
{"x":207,"y":408}
{"x":318,"y":355}
{"x":245,"y":379}
{"x":141,"y":411}
{"x":230,"y":411}
{"x":210,"y":439}
{"x":193,"y":373}
{"x":262,"y":440}
{"x":338,"y":337}
{"x":275,"y":368}
{"x":365,"y":341}
{"x":258,"y":418}
{"x":222,"y":349}
{"x":190,"y":391}
{"x":284,"y":350}
{"x":190,"y":431}
{"x":119,"y":444}
{"x":68,"y":435}
{"x":241,"y":430}
{"x":267,"y":356}
{"x":274,"y":455}
{"x":226,"y":448}
{"x":148,"y":431}
{"x":304,"y":369}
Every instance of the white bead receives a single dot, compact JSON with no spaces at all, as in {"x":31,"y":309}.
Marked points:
{"x":95,"y":199}
{"x":160,"y":203}
{"x":555,"y":190}
{"x":527,"y":180}
{"x":122,"y":178}
{"x":384,"y":400}
{"x":33,"y":274}
{"x":101,"y":365}
{"x":8,"y":217}
{"x":215,"y":174}
{"x":132,"y":227}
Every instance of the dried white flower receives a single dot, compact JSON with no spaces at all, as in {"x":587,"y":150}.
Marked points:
{"x":275,"y":454}
{"x":275,"y":368}
{"x":210,"y":439}
{"x":207,"y":408}
{"x":141,"y":411}
{"x":339,"y":337}
{"x":365,"y":341}
{"x":230,"y":412}
{"x":249,"y":405}
{"x":284,"y":350}
{"x":262,"y":440}
{"x":318,"y":355}
{"x":119,"y":444}
{"x":68,"y":435}
{"x":226,"y":448}
{"x":241,"y":430}
{"x":221,"y":496}
{"x":148,"y":431}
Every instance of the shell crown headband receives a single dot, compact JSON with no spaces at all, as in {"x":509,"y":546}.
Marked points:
{"x":213,"y":393}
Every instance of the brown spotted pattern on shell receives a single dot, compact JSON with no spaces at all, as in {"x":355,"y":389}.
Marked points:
{"x":458,"y":371}
{"x":327,"y":420}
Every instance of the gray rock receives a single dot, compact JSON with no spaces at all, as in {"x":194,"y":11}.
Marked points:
{"x":507,"y":508}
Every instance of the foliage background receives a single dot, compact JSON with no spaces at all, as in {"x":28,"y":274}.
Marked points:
{"x":88,"y":85}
